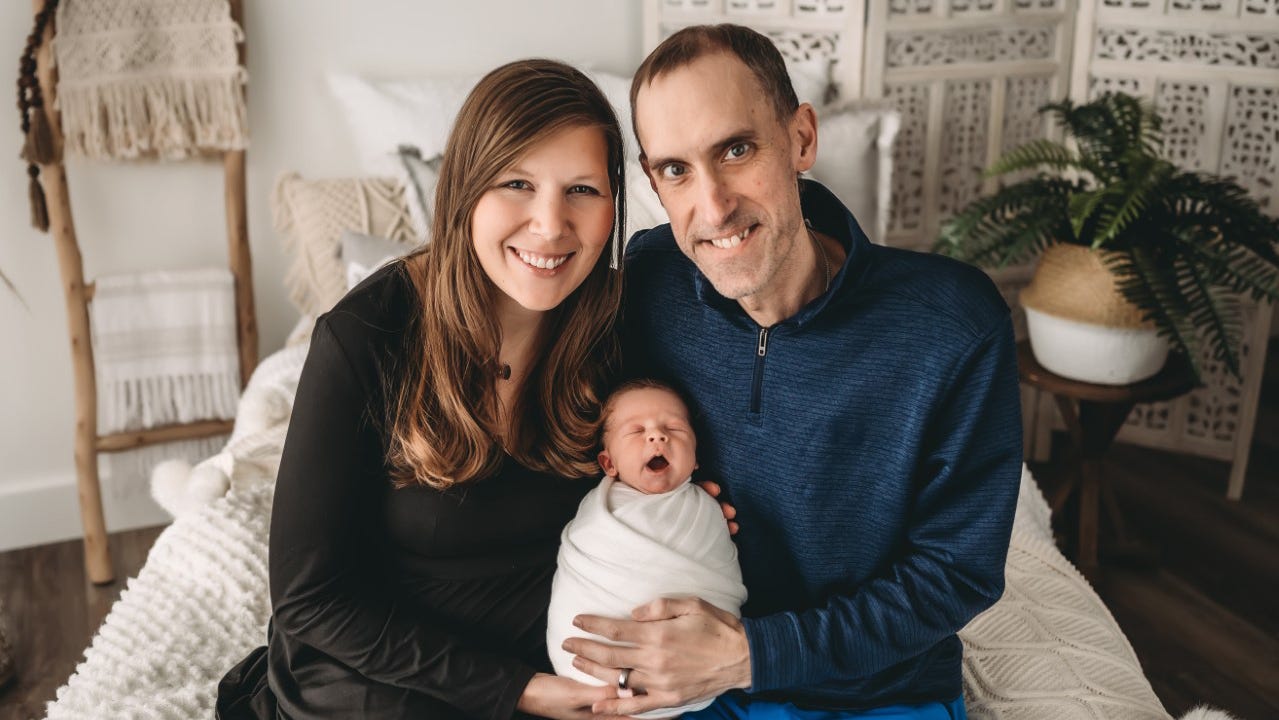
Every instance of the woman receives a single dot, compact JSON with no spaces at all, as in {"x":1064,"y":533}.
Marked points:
{"x":443,"y":431}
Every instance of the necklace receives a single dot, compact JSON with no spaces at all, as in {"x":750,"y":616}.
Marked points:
{"x":820,"y":251}
{"x":504,"y":371}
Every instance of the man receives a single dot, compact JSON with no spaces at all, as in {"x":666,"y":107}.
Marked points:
{"x":859,"y":405}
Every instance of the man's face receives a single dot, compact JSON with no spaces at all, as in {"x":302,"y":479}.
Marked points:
{"x":724,"y":166}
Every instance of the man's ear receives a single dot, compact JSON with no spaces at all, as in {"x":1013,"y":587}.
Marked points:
{"x":606,"y":464}
{"x":648,"y":173}
{"x":803,"y":133}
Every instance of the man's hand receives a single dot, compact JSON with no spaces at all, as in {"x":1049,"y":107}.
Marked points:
{"x":713,"y":489}
{"x":561,"y":698}
{"x":679,"y":651}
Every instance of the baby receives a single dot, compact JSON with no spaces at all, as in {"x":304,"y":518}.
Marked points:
{"x":646,"y":531}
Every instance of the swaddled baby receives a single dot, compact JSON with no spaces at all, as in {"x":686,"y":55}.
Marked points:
{"x":645,"y":532}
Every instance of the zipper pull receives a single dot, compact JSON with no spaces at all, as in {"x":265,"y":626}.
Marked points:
{"x":763,"y":342}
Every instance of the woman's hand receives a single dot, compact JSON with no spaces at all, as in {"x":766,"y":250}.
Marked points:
{"x":713,"y":489}
{"x":552,"y":696}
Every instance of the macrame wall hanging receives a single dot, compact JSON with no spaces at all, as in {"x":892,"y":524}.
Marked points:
{"x":143,"y":78}
{"x":136,"y":78}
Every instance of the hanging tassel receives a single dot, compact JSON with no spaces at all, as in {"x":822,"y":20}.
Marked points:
{"x":28,"y":153}
{"x":39,"y":140}
{"x":39,"y":209}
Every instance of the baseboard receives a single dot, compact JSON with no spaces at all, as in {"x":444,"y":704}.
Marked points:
{"x":37,"y":511}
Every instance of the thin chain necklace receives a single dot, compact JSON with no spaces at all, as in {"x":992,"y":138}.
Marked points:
{"x":820,"y":251}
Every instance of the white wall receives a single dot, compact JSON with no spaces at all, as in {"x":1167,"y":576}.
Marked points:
{"x":133,"y":216}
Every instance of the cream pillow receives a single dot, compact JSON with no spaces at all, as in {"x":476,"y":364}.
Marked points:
{"x":855,"y":160}
{"x":311,"y":215}
{"x":385,"y":115}
{"x":854,"y":156}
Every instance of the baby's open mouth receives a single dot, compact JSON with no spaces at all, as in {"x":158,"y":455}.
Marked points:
{"x":657,"y":463}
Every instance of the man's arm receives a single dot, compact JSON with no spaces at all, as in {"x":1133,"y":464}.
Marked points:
{"x":950,"y":569}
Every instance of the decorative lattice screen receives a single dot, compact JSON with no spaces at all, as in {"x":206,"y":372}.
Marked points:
{"x":802,"y":29}
{"x":1211,"y":67}
{"x":967,"y":76}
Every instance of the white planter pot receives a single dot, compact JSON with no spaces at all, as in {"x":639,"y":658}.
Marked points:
{"x":1095,"y":353}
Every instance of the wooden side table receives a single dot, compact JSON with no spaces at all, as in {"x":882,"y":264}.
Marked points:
{"x":1094,"y":414}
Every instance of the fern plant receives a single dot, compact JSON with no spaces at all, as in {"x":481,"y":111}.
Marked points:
{"x":1184,"y":245}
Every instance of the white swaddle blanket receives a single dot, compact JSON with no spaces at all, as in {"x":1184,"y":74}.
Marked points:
{"x":625,"y":548}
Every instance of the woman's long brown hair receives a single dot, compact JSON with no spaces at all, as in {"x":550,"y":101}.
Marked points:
{"x":443,"y":413}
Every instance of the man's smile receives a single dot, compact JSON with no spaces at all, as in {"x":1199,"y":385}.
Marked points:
{"x":734,"y":240}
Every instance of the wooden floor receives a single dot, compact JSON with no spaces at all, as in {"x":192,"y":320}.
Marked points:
{"x":53,"y":612}
{"x":1201,"y":611}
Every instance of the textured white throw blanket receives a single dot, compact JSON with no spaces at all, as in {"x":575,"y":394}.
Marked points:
{"x":164,"y":348}
{"x":139,"y":77}
{"x":625,"y":548}
{"x":165,"y":351}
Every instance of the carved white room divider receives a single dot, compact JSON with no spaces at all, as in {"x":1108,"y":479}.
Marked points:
{"x":1212,"y":69}
{"x":967,"y":77}
{"x":802,"y":29}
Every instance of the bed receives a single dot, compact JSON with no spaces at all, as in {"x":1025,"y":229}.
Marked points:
{"x":1047,"y":649}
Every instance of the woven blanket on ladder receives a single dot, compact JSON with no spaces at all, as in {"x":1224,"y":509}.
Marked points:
{"x":165,"y":352}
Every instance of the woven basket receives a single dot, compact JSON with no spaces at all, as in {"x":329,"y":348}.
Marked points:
{"x":1073,"y":282}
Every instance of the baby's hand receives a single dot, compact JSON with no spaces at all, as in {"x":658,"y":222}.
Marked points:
{"x":713,"y":489}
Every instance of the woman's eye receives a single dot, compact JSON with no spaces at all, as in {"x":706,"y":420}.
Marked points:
{"x":672,"y":171}
{"x":583,"y":190}
{"x":516,"y":184}
{"x":738,"y":150}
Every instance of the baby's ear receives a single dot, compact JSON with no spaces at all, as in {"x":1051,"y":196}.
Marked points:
{"x":606,"y":464}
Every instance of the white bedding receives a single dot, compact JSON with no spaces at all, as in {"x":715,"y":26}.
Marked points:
{"x":1047,"y":649}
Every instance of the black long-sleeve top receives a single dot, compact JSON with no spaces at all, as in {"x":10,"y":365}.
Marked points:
{"x":395,"y":603}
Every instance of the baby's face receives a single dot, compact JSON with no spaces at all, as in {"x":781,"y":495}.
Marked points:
{"x":648,"y":441}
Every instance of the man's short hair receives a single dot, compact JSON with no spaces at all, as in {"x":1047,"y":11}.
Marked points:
{"x":756,"y":51}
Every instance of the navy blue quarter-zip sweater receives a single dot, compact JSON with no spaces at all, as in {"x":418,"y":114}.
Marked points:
{"x":871,"y":444}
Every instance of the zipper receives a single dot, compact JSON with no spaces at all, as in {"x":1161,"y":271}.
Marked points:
{"x":757,"y":384}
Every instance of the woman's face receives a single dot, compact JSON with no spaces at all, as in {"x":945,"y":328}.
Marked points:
{"x":539,"y":229}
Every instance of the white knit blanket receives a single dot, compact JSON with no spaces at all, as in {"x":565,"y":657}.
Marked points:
{"x":164,"y":348}
{"x":140,"y":77}
{"x":165,"y":352}
{"x":1047,"y":650}
{"x":625,"y":548}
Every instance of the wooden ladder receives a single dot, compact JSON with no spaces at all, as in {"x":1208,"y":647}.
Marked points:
{"x":88,"y":443}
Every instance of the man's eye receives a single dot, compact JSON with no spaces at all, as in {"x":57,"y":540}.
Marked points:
{"x":738,"y":150}
{"x":672,"y":171}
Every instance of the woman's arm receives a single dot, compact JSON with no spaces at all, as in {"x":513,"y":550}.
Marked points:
{"x":322,"y":590}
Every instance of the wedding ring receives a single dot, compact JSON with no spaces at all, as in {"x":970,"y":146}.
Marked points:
{"x":624,"y":678}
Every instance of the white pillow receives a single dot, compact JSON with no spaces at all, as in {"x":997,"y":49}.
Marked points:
{"x":386,"y":114}
{"x":363,"y":254}
{"x":855,"y":160}
{"x":854,"y":156}
{"x":811,"y":79}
